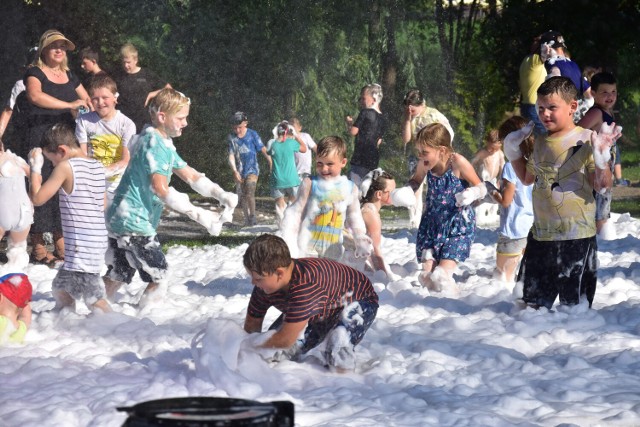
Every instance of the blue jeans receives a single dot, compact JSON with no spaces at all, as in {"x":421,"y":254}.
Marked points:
{"x":529,"y":111}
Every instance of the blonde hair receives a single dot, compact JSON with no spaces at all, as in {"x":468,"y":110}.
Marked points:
{"x":129,"y":50}
{"x":46,"y":35}
{"x":434,"y":135}
{"x":374,"y":90}
{"x":491,"y":137}
{"x":168,"y":101}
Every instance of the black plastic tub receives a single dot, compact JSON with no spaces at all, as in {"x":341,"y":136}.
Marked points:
{"x":208,"y":412}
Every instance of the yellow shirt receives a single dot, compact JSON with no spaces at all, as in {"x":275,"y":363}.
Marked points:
{"x":8,"y":332}
{"x":563,"y":204}
{"x":532,"y":75}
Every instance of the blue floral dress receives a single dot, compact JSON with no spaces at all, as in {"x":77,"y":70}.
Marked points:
{"x":444,"y":227}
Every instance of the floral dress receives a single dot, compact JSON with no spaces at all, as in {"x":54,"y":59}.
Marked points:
{"x":446,"y":228}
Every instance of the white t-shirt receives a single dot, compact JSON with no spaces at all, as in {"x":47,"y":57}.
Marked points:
{"x":303,"y":160}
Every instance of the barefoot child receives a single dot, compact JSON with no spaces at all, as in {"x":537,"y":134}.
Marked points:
{"x":447,"y":227}
{"x":16,"y":210}
{"x":79,"y":182}
{"x":320,"y":300}
{"x":15,"y":307}
{"x":134,"y":215}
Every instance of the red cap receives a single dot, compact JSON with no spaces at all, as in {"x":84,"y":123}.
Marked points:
{"x":16,"y":288}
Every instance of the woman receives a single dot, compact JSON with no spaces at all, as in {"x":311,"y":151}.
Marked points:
{"x":55,"y":95}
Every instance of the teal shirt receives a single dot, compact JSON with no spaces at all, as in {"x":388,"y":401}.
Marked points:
{"x":284,"y":173}
{"x":136,"y":209}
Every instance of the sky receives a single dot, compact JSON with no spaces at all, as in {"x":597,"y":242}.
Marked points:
{"x":428,"y":359}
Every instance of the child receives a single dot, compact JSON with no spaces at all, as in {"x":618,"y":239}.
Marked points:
{"x":320,"y":300}
{"x":561,"y":255}
{"x":16,"y":210}
{"x":377,"y":189}
{"x":284,"y":175}
{"x":368,"y":130}
{"x":516,"y":215}
{"x":89,"y":63}
{"x":489,"y":160}
{"x":133,"y":217}
{"x":603,"y":87}
{"x":137,"y":87}
{"x":15,"y":307}
{"x":79,"y":182}
{"x":303,"y":160}
{"x":104,"y":133}
{"x":243,"y":146}
{"x":416,"y":116}
{"x":447,"y":227}
{"x":313,"y":224}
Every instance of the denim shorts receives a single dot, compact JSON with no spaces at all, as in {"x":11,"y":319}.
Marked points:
{"x":289,"y":192}
{"x":78,"y":284}
{"x":510,"y":247}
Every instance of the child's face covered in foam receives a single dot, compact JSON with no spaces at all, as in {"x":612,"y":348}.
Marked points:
{"x":174,"y":123}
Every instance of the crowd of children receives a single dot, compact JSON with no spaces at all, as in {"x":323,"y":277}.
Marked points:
{"x":111,"y":177}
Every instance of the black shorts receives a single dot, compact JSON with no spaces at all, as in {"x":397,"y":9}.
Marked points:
{"x":568,"y":269}
{"x":126,"y":254}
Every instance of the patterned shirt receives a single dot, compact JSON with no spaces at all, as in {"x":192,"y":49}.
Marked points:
{"x":318,"y":289}
{"x":245,"y":151}
{"x":563,"y":202}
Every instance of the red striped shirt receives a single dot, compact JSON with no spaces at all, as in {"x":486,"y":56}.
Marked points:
{"x":318,"y":288}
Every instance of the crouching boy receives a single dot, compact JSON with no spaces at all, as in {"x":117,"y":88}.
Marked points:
{"x":320,"y":300}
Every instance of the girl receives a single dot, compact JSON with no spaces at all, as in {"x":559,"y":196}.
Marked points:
{"x":447,"y":227}
{"x":377,"y":188}
{"x":516,"y":215}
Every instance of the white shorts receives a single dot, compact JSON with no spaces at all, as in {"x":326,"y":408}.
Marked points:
{"x":16,"y":210}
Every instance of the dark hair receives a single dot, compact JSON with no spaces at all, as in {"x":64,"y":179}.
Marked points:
{"x":602,"y":78}
{"x":266,"y":254}
{"x":283,"y":128}
{"x":513,"y":124}
{"x":330,"y":145}
{"x":413,"y":97}
{"x":59,"y":134}
{"x":563,"y":86}
{"x":102,"y":81}
{"x":379,"y":181}
{"x":238,"y":117}
{"x":90,"y":54}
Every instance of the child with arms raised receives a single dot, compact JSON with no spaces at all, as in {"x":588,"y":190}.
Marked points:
{"x":320,"y":300}
{"x":134,"y":215}
{"x":104,"y":133}
{"x":516,"y":215}
{"x":447,"y":227}
{"x":325,"y":203}
{"x":566,"y":166}
{"x":15,"y":307}
{"x":79,"y":182}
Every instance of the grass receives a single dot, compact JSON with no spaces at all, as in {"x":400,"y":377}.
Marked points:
{"x":225,"y":239}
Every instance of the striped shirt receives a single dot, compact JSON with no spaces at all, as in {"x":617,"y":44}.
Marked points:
{"x":82,"y":213}
{"x":318,"y":289}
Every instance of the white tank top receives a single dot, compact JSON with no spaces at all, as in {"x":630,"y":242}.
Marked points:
{"x":82,"y":213}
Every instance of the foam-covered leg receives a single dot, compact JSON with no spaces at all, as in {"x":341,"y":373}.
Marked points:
{"x":17,"y":255}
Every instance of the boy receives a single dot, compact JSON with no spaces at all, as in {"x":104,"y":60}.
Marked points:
{"x":15,"y":307}
{"x":79,"y":182}
{"x":603,"y":87}
{"x":561,"y":255}
{"x":104,"y":133}
{"x":313,"y":224}
{"x":134,"y":215}
{"x":137,"y":86}
{"x":243,"y":146}
{"x":284,"y":175}
{"x":319,"y":299}
{"x":89,"y":63}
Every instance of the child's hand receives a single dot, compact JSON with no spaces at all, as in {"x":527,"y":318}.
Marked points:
{"x":349,"y":120}
{"x":512,"y":142}
{"x":602,"y":143}
{"x":364,"y":246}
{"x":36,"y":160}
{"x":546,"y":52}
{"x":470,"y":195}
{"x":403,"y":197}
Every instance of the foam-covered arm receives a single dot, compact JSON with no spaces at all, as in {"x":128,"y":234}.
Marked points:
{"x":471,"y":194}
{"x":513,"y":140}
{"x":403,"y":197}
{"x":179,"y":202}
{"x":207,"y":188}
{"x":36,"y":160}
{"x":602,"y":143}
{"x":358,"y":228}
{"x":290,"y":229}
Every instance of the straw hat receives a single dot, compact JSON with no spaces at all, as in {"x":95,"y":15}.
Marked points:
{"x":51,"y":36}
